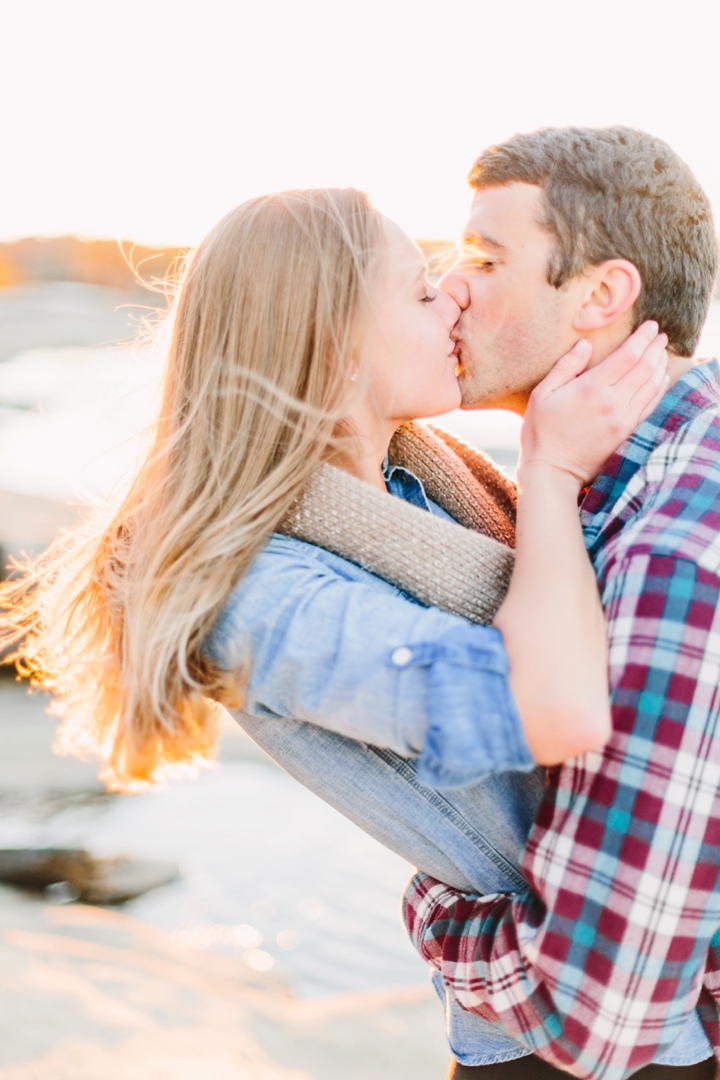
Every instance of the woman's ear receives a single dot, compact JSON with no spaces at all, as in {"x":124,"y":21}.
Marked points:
{"x":613,"y":288}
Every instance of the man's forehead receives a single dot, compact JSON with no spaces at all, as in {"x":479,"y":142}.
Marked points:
{"x":505,"y":215}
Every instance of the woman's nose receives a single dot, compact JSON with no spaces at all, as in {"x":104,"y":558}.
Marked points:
{"x":454,"y":284}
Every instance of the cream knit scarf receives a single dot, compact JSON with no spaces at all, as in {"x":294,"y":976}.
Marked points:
{"x":462,"y":570}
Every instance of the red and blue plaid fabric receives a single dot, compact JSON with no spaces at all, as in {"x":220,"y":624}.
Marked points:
{"x":596,"y":966}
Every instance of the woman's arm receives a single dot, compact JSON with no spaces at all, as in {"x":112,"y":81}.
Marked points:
{"x":335,"y":646}
{"x":553,"y":625}
{"x":552,"y":620}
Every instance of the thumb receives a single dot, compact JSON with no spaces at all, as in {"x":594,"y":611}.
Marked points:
{"x":566,"y":369}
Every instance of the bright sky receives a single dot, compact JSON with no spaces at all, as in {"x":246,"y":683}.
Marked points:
{"x":149,"y":119}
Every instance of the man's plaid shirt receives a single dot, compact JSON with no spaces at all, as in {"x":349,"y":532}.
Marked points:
{"x":597,"y":964}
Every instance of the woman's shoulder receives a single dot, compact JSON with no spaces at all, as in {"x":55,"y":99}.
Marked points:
{"x":281,"y":580}
{"x":287,"y":552}
{"x":287,"y":565}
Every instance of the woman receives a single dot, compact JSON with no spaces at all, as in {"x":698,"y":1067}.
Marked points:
{"x":304,"y":333}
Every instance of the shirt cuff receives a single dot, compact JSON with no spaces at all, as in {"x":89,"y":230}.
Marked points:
{"x":473,"y":725}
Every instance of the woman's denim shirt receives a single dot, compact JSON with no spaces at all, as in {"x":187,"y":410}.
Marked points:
{"x":436,"y":687}
{"x":334,"y":645}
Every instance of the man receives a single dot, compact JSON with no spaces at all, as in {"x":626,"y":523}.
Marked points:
{"x":596,"y":960}
{"x":622,"y":853}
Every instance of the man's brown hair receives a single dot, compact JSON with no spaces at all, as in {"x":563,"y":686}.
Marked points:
{"x":617,"y":193}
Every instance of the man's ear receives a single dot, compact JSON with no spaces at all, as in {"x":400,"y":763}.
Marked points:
{"x":612,"y":289}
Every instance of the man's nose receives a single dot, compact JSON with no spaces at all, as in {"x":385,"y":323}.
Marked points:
{"x":455,"y":285}
{"x":452,"y":310}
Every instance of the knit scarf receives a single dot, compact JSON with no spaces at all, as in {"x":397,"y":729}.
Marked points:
{"x":463,"y":568}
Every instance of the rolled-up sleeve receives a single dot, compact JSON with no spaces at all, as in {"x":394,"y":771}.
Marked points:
{"x":355,"y":656}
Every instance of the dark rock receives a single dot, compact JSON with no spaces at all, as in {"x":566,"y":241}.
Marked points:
{"x":70,"y":873}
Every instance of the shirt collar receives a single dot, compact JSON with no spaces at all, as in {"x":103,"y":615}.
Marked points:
{"x":404,"y":484}
{"x":696,"y":391}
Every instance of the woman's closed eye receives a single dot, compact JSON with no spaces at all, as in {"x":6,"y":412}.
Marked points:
{"x":428,"y":299}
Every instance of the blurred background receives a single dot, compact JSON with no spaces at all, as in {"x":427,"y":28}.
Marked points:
{"x":127,"y":130}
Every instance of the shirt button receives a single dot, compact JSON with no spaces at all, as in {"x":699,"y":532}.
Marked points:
{"x":401,"y":657}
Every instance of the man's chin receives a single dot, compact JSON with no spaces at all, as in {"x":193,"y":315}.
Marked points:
{"x":475,"y":393}
{"x":472,"y":397}
{"x":475,"y":400}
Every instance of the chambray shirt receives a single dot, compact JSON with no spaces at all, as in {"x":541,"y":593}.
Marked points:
{"x":437,"y":687}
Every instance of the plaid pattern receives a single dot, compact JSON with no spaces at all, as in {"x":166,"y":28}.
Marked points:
{"x":596,"y":966}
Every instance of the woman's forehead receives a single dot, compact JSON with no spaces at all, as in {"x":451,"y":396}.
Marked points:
{"x":403,"y":256}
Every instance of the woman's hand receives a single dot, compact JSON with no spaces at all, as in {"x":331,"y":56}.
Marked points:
{"x":577,"y":418}
{"x":551,"y":619}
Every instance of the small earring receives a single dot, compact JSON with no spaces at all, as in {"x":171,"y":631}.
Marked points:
{"x":353,"y":377}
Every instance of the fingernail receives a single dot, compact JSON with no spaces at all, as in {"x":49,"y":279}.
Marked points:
{"x":653,"y":326}
{"x":582,"y":346}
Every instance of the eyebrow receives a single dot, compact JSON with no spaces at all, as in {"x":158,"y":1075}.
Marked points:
{"x":477,"y":240}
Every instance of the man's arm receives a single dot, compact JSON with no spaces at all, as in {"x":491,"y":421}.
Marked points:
{"x":601,"y":960}
{"x":353,"y":655}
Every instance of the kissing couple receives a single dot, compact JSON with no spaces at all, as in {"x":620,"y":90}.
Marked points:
{"x":516,"y":688}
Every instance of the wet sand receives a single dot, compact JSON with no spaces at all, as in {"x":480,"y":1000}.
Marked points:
{"x":142,"y":992}
{"x":87,"y":993}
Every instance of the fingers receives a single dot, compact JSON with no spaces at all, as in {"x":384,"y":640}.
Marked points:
{"x":648,"y":397}
{"x":648,"y":371}
{"x":566,"y":369}
{"x":624,"y":359}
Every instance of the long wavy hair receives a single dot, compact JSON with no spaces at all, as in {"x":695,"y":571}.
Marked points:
{"x":264,"y":343}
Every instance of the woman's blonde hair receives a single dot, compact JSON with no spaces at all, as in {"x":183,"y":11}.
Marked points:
{"x":114,"y":618}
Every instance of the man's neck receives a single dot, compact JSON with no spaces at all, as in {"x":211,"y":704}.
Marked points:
{"x":678,"y":366}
